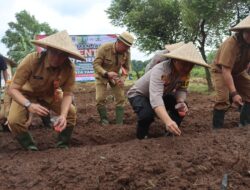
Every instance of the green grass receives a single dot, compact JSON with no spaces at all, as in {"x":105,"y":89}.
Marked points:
{"x":196,"y":84}
{"x":198,"y":87}
{"x":198,"y":72}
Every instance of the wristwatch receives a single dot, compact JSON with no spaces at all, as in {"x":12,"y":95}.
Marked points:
{"x":27,"y":104}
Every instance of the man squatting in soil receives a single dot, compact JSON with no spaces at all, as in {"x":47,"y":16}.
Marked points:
{"x":111,"y":67}
{"x":35,"y":85}
{"x":230,"y":76}
{"x":163,"y":90}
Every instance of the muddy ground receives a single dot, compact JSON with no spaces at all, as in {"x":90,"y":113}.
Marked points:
{"x":111,"y":158}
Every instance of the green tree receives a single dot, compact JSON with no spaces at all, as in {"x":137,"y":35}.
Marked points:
{"x":208,"y":22}
{"x":17,"y":37}
{"x":155,"y":23}
{"x":138,"y":67}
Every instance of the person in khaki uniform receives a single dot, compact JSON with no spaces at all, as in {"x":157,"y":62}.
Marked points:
{"x":111,"y":67}
{"x":5,"y":107}
{"x":35,"y":85}
{"x":230,"y":75}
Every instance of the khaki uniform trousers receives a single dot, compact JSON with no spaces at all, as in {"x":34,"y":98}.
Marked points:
{"x":18,"y":115}
{"x":242,"y":85}
{"x":5,"y":106}
{"x":101,"y":92}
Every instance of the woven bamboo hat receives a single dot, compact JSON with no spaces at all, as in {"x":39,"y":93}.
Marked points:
{"x":60,"y":41}
{"x":244,"y":24}
{"x":188,"y":52}
{"x":126,"y":38}
{"x":171,"y":47}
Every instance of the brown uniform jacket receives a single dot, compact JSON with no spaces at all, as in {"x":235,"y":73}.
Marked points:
{"x":232,"y":54}
{"x":107,"y":59}
{"x":37,"y":77}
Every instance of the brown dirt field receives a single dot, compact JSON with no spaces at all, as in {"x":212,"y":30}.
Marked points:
{"x":111,"y":158}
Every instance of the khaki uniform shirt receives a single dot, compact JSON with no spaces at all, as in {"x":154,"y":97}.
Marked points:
{"x":157,"y":82}
{"x":107,"y":59}
{"x":231,"y":55}
{"x":37,"y":77}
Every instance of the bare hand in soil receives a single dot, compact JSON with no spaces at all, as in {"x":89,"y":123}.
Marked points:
{"x":173,"y":128}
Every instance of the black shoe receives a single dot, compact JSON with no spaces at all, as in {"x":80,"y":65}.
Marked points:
{"x":218,"y":118}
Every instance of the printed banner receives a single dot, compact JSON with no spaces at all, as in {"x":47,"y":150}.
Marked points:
{"x":87,"y":45}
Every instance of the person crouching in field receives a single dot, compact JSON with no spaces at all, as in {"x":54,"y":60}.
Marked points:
{"x":109,"y":60}
{"x":35,"y":85}
{"x":230,"y":75}
{"x":162,"y":90}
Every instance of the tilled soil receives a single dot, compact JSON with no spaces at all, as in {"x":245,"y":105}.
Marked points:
{"x":111,"y":158}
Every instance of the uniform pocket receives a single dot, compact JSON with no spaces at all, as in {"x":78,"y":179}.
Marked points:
{"x":37,"y":82}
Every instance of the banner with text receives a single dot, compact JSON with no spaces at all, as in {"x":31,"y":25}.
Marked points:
{"x":87,"y":45}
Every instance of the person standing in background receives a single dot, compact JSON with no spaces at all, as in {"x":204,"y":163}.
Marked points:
{"x":111,"y":67}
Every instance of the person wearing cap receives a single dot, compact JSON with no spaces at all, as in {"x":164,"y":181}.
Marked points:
{"x":230,"y":75}
{"x":159,"y":56}
{"x":34,"y":89}
{"x":162,"y":90}
{"x":111,"y":67}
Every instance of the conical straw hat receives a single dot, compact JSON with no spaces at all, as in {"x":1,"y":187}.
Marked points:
{"x":62,"y":42}
{"x":171,"y":47}
{"x":244,"y":24}
{"x":188,"y":52}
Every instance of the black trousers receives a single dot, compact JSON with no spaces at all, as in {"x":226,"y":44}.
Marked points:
{"x":145,"y":114}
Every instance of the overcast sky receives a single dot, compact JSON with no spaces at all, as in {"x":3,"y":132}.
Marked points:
{"x":75,"y":16}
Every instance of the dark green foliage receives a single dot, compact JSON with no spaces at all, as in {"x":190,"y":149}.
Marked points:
{"x":155,"y":23}
{"x":138,"y":67}
{"x":160,"y":22}
{"x":17,"y":37}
